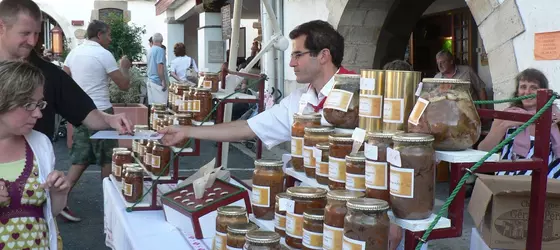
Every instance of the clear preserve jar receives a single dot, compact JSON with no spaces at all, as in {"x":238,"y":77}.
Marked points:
{"x":412,"y":188}
{"x":342,"y":105}
{"x":202,"y":104}
{"x":446,"y":110}
{"x":268,"y":180}
{"x":227,"y":215}
{"x":236,"y":235}
{"x":313,"y":136}
{"x":356,"y":172}
{"x":302,"y":198}
{"x":280,"y":216}
{"x":262,"y":240}
{"x":161,"y":156}
{"x":340,"y":145}
{"x":335,"y":211}
{"x":116,"y":166}
{"x":133,"y":185}
{"x":313,"y":228}
{"x":377,"y":169}
{"x":366,"y":225}
{"x":301,"y":121}
{"x":135,"y":142}
{"x":322,"y":163}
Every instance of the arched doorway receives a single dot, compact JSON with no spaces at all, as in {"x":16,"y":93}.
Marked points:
{"x":378,"y":31}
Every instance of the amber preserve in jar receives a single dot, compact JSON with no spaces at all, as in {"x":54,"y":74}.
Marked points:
{"x":211,"y":81}
{"x":340,"y":145}
{"x":202,"y":104}
{"x":161,"y":156}
{"x":366,"y":226}
{"x":119,"y":161}
{"x":236,"y":235}
{"x":313,"y":136}
{"x":342,"y":105}
{"x":356,"y":171}
{"x":262,"y":240}
{"x":412,"y":176}
{"x":313,"y":228}
{"x":335,"y":210}
{"x":446,"y":110}
{"x":377,"y":169}
{"x":268,"y":180}
{"x":280,"y":216}
{"x":133,"y":185}
{"x":322,"y":163}
{"x":301,"y":121}
{"x":227,"y":215}
{"x":301,"y":199}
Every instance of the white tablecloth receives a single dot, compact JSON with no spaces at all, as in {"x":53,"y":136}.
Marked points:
{"x":140,"y":230}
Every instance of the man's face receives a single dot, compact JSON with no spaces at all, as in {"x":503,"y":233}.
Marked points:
{"x":105,"y":39}
{"x":444,"y":63}
{"x":305,"y":66}
{"x":19,"y":36}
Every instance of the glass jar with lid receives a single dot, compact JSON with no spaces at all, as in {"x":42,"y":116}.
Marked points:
{"x":156,"y":110}
{"x":161,"y":156}
{"x":366,"y":225}
{"x":201,"y":104}
{"x":142,"y":149}
{"x":180,"y":88}
{"x":342,"y":105}
{"x":377,"y":169}
{"x":280,"y":216}
{"x":262,"y":240}
{"x":412,"y":176}
{"x":446,"y":110}
{"x":302,"y":198}
{"x":118,"y":160}
{"x":340,"y":145}
{"x":313,"y":228}
{"x":128,"y":165}
{"x":133,"y":185}
{"x":138,"y":128}
{"x":188,"y":99}
{"x":148,"y":155}
{"x":268,"y":180}
{"x":236,"y":235}
{"x":211,"y":81}
{"x":227,"y":215}
{"x":322,"y":163}
{"x":301,"y":121}
{"x":313,"y":136}
{"x":356,"y":171}
{"x":335,"y":211}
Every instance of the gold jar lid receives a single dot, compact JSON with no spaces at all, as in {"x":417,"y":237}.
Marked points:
{"x":130,"y":165}
{"x":383,"y":135}
{"x":319,"y":130}
{"x":269,"y":163}
{"x":119,"y":149}
{"x":159,"y":105}
{"x":356,"y":157}
{"x":203,"y":89}
{"x":184,"y":115}
{"x":232,"y":210}
{"x":282,"y":195}
{"x":134,"y":169}
{"x":314,"y":214}
{"x":241,"y":228}
{"x":413,"y":137}
{"x":341,"y":138}
{"x":445,"y":80}
{"x":182,"y":86}
{"x":141,"y":127}
{"x":124,"y":152}
{"x":344,"y":195}
{"x":262,"y":237}
{"x":306,"y":192}
{"x":307,"y":117}
{"x":367,"y":204}
{"x":322,"y":146}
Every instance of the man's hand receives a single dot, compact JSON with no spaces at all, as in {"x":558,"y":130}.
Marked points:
{"x":125,"y":63}
{"x":163,"y":86}
{"x":120,"y":123}
{"x":4,"y":195}
{"x":57,"y":183}
{"x":173,"y":134}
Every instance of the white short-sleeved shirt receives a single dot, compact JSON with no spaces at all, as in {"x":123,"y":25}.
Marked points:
{"x":90,"y":65}
{"x":180,"y":65}
{"x":274,"y":125}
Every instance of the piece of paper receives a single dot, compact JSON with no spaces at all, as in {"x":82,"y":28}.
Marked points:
{"x":111,"y":134}
{"x":203,"y":170}
{"x":212,"y":177}
{"x":199,"y":186}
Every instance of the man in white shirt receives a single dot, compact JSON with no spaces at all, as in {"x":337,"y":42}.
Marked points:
{"x":91,"y":65}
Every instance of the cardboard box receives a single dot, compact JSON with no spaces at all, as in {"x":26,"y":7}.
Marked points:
{"x":499,"y":207}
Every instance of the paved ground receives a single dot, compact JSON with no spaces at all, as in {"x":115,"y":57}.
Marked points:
{"x":87,"y":198}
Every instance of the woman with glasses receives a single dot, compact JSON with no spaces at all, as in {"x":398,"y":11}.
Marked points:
{"x":31,"y":191}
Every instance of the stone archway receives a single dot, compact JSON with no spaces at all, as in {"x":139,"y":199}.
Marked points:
{"x":64,"y":24}
{"x":378,"y":31}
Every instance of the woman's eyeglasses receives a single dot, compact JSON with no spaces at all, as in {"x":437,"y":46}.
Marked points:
{"x":30,"y":106}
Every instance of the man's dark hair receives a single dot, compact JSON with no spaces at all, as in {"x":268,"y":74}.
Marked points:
{"x":96,"y":27}
{"x":321,"y":35}
{"x":398,"y":65}
{"x":10,"y":9}
{"x":151,"y":40}
{"x":179,"y":49}
{"x":529,"y":75}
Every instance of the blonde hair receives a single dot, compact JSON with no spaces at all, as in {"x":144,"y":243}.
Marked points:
{"x":18,"y":81}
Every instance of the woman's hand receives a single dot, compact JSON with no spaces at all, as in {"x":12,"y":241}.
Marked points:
{"x":4,"y":195}
{"x":57,"y":183}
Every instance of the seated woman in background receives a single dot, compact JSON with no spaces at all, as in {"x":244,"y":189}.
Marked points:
{"x":522,"y":147}
{"x":32,"y":193}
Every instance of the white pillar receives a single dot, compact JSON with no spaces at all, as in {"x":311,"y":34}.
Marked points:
{"x":175,"y":34}
{"x":209,"y":42}
{"x":268,"y":66}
